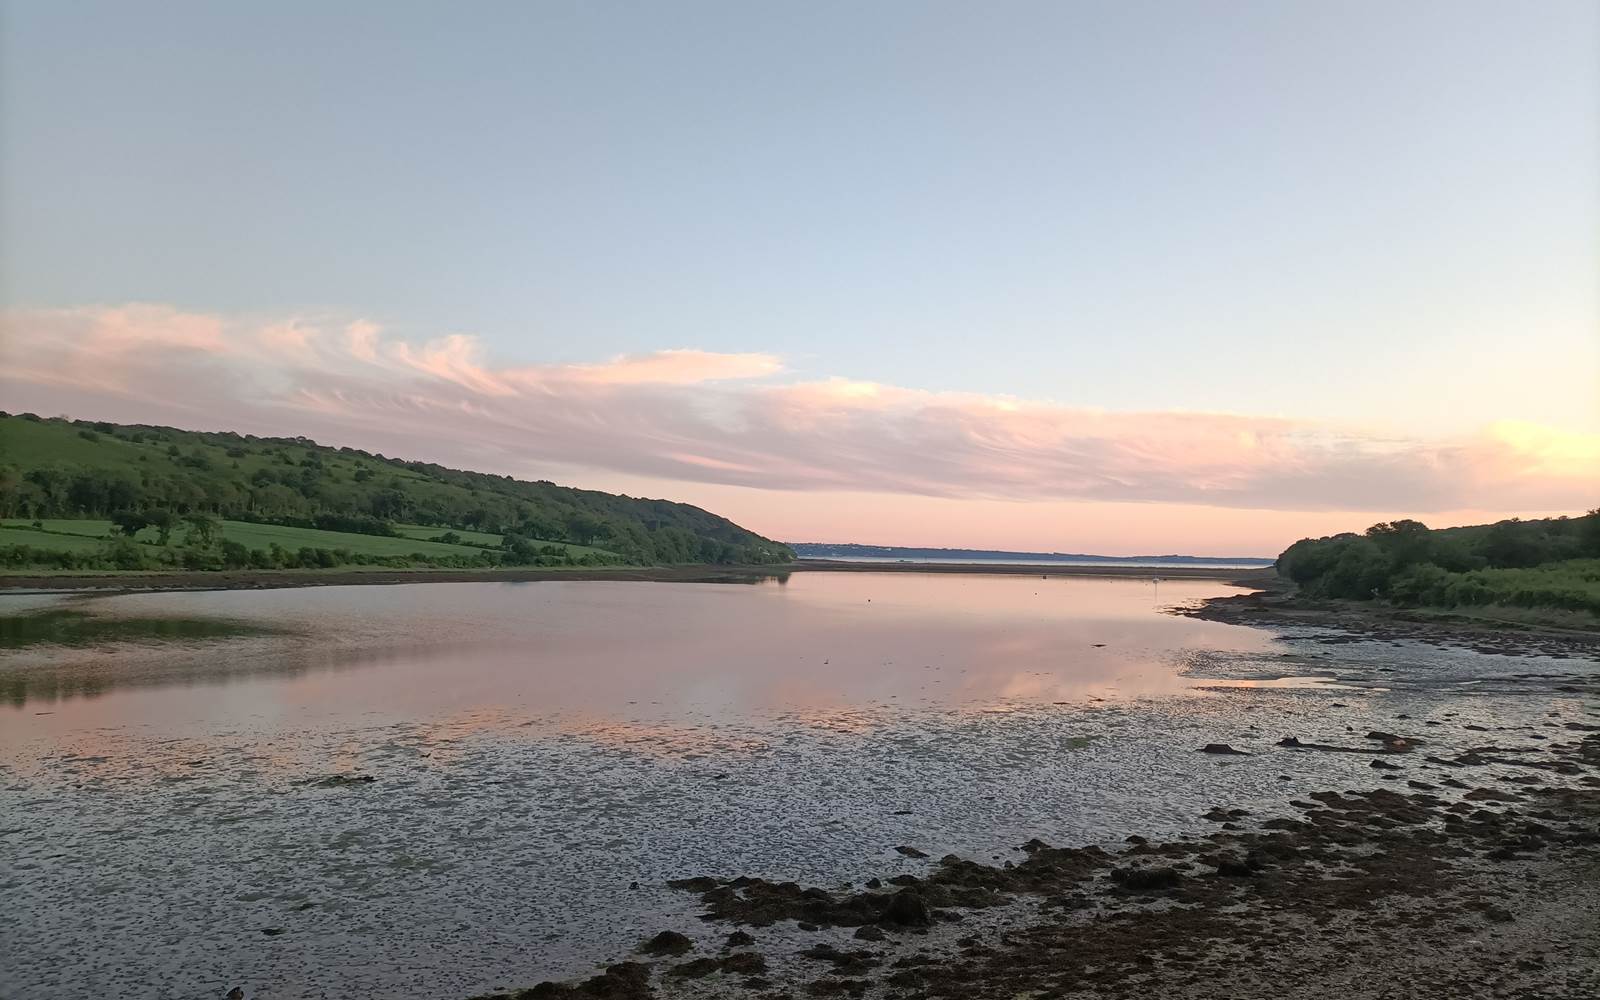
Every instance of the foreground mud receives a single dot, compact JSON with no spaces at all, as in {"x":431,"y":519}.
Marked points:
{"x":1483,"y":880}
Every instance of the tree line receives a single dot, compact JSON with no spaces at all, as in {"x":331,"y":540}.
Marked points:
{"x":1545,"y":563}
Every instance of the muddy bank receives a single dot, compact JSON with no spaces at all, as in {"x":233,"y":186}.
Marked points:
{"x":273,"y":579}
{"x":1276,"y":606}
{"x":1475,"y":874}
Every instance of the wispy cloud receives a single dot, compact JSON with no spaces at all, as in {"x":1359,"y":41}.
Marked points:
{"x":734,"y":419}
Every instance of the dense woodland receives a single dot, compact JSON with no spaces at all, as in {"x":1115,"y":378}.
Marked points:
{"x":1551,"y":563}
{"x":149,"y":479}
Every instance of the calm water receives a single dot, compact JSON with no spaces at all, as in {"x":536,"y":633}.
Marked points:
{"x":173,"y":819}
{"x":1151,"y":564}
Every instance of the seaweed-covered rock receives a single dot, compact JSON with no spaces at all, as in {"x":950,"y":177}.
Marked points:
{"x":1146,"y":879}
{"x":667,"y":943}
{"x":906,"y":908}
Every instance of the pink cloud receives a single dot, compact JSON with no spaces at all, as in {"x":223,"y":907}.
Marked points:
{"x":722,"y":419}
{"x":677,"y":367}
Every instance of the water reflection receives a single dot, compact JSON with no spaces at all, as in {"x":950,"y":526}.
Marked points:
{"x":536,"y":750}
{"x":62,"y":626}
{"x":817,"y":645}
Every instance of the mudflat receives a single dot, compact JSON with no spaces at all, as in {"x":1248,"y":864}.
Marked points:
{"x":876,"y":784}
{"x":1417,"y":891}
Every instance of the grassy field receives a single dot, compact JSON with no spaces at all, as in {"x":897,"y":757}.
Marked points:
{"x":426,"y":532}
{"x":87,"y":527}
{"x":262,"y":536}
{"x":72,"y":534}
{"x":47,"y":540}
{"x":490,"y":539}
{"x":84,"y":534}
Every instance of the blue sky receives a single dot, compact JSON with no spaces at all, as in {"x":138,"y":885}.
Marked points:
{"x":1373,"y":214}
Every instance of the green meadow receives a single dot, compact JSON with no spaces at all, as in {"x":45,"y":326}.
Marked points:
{"x":76,"y":495}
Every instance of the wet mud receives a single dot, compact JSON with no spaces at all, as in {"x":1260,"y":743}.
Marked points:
{"x":1370,"y":893}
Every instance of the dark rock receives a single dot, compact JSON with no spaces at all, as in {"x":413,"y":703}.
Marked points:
{"x":1232,"y":866}
{"x":869,"y":932}
{"x":623,"y":981}
{"x":739,"y":939}
{"x":1498,"y":914}
{"x":696,"y":968}
{"x":910,"y":852}
{"x":667,"y":943}
{"x":340,"y":780}
{"x":906,"y":909}
{"x":700,"y":883}
{"x":1489,"y":795}
{"x":746,"y":963}
{"x":1142,"y":879}
{"x":824,"y":953}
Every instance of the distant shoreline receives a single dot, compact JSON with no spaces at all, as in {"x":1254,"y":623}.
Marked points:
{"x":278,"y":579}
{"x":1245,"y":575}
{"x":910,"y":553}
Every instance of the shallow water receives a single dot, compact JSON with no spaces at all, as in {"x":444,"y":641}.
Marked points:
{"x":168,"y":826}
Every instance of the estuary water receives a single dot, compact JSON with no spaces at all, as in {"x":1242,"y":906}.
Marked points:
{"x":434,"y":790}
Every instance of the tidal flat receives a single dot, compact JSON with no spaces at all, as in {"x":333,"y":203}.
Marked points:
{"x":463,"y":789}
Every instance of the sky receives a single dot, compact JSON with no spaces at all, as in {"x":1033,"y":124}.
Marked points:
{"x":1125,"y":277}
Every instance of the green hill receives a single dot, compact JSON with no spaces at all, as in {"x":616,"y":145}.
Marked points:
{"x":1549,"y":564}
{"x":75,"y":494}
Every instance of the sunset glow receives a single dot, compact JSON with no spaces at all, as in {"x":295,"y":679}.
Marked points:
{"x":1133,"y":287}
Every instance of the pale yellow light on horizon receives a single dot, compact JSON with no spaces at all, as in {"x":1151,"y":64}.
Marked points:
{"x":1047,"y":526}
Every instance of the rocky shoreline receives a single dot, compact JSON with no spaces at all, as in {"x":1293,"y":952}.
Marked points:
{"x":1277,"y":607}
{"x":1472,"y":874}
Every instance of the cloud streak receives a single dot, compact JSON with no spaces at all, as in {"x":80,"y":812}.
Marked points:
{"x":735,"y":419}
